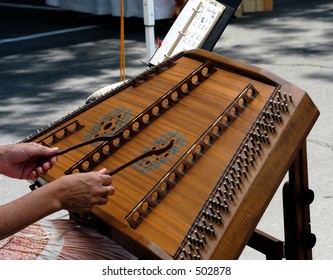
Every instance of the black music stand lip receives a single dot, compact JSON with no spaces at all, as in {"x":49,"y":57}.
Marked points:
{"x":214,"y":36}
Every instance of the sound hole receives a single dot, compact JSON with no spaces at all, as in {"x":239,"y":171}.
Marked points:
{"x":109,"y":124}
{"x":155,"y":161}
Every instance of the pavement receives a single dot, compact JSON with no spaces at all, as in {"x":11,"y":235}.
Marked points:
{"x":53,"y":60}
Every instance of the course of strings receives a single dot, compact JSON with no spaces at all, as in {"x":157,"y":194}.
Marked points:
{"x":194,"y":135}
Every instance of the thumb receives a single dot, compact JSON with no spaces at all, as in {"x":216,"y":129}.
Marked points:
{"x":45,"y":151}
{"x":51,"y":151}
{"x":102,"y":171}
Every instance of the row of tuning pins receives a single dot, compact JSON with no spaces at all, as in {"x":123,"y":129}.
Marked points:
{"x":38,"y":131}
{"x":251,"y":150}
{"x":210,"y":216}
{"x":196,"y":241}
{"x":258,"y":137}
{"x":272,"y":115}
{"x":278,"y":105}
{"x":205,"y":228}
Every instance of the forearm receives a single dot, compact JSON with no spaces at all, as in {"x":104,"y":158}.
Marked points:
{"x":76,"y":193}
{"x":28,"y":209}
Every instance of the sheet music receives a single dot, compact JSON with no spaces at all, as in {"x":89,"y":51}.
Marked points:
{"x":190,"y":29}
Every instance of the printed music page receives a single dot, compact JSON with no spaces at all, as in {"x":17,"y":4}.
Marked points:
{"x":191,"y":28}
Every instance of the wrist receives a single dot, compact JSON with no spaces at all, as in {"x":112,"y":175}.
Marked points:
{"x":52,"y":190}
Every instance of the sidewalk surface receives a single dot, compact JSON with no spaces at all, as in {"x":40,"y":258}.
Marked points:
{"x":46,"y":74}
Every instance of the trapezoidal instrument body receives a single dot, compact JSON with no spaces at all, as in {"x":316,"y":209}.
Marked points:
{"x":232,"y":130}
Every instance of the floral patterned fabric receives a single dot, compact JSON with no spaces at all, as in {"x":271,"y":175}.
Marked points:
{"x":60,"y":239}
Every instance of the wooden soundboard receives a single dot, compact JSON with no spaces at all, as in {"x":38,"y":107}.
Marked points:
{"x":233,"y":132}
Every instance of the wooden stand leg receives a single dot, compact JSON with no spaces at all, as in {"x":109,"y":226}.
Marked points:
{"x":266,"y":244}
{"x":297,"y":197}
